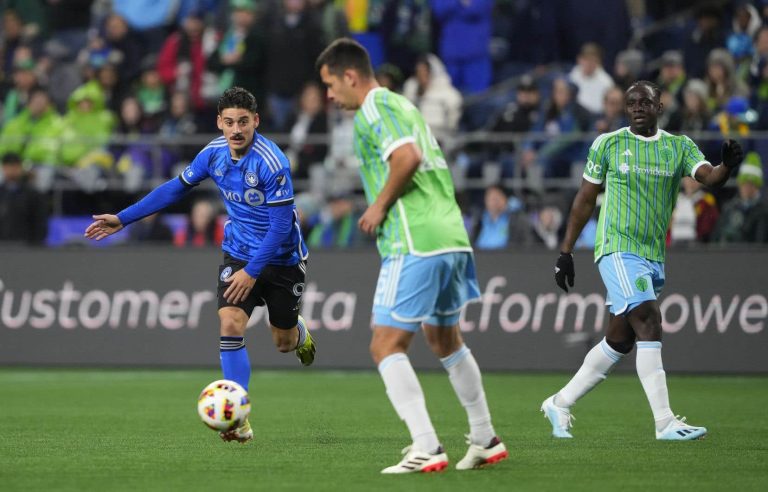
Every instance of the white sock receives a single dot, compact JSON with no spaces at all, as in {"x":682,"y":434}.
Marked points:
{"x":405,"y":393}
{"x":467,"y":382}
{"x":302,"y":333}
{"x":597,"y":364}
{"x":650,"y":370}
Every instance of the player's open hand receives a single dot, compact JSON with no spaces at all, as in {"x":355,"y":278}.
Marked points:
{"x":103,"y":226}
{"x":371,"y":219}
{"x":240,"y":285}
{"x":564,"y":270}
{"x":732,"y":153}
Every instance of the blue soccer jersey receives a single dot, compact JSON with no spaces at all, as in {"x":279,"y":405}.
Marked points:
{"x":260,"y":179}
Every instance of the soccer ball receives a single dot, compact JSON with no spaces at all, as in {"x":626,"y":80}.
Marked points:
{"x":223,"y":405}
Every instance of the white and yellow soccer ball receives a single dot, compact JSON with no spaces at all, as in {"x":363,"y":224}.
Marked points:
{"x":223,"y":405}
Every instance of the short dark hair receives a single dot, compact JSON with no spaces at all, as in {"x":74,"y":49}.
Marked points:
{"x":11,"y":158}
{"x":646,"y":83}
{"x":343,"y":54}
{"x":237,"y":97}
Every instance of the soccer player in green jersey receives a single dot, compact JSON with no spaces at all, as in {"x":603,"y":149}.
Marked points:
{"x":427,"y":273}
{"x":641,"y":168}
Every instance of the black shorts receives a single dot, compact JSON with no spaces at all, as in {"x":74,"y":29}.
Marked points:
{"x":279,"y":287}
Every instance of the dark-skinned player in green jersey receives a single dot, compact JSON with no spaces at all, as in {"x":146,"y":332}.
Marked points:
{"x":641,"y":168}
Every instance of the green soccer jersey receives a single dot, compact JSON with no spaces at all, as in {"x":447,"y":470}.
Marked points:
{"x":426,"y":219}
{"x":642,"y":180}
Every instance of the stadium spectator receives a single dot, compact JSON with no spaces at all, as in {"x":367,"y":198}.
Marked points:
{"x":694,"y":116}
{"x":336,"y":225}
{"x":406,"y":27}
{"x":389,"y":76}
{"x":125,"y":51}
{"x":151,"y":95}
{"x":745,"y":26}
{"x":501,"y":224}
{"x":431,"y":91}
{"x":203,"y":228}
{"x":562,"y":118}
{"x":695,"y":214}
{"x":240,"y":59}
{"x":179,"y":123}
{"x":706,"y":36}
{"x":24,"y":80}
{"x":295,"y":39}
{"x":88,"y":126}
{"x":149,"y":19}
{"x":722,"y":82}
{"x":672,"y":75}
{"x":590,"y":78}
{"x":612,"y":116}
{"x":518,"y":116}
{"x":311,"y":121}
{"x":465,"y":35}
{"x":744,"y":218}
{"x":545,"y":224}
{"x":23,"y":212}
{"x":181,"y":62}
{"x":628,"y":67}
{"x":34,"y":135}
{"x":10,"y":41}
{"x":332,"y":17}
{"x":150,"y":229}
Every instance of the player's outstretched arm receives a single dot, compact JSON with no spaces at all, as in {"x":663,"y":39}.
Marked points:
{"x":581,"y":210}
{"x":714,"y":176}
{"x":102,"y":226}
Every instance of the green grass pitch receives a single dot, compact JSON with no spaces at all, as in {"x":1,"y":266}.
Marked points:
{"x":111,"y":430}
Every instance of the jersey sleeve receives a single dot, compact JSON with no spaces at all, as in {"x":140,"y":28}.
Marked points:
{"x":276,"y":176}
{"x":693,"y":158}
{"x":392,"y":129}
{"x":597,"y":161}
{"x":197,"y":170}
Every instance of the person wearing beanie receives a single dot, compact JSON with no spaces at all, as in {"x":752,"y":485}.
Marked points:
{"x":745,"y":217}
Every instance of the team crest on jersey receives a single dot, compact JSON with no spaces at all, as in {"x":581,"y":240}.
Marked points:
{"x":225,"y":274}
{"x":251,"y":179}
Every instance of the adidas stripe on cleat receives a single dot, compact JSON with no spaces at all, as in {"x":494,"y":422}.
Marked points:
{"x":479,"y":457}
{"x":417,"y":461}
{"x":678,"y":430}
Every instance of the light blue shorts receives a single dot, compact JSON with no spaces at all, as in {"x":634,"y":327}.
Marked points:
{"x":630,"y":280}
{"x":412,"y":290}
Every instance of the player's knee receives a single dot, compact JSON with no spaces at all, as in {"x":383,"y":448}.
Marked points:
{"x":231,"y":327}
{"x":621,"y":346}
{"x":646,"y":322}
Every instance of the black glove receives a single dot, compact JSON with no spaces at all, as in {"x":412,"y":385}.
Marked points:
{"x":564,"y":270}
{"x":732,"y":153}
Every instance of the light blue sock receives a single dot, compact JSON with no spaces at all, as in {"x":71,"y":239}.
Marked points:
{"x":234,"y":360}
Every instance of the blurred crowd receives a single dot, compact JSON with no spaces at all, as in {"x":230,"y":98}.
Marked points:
{"x":102,"y":99}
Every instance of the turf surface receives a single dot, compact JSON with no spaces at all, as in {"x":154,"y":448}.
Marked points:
{"x":138,"y":430}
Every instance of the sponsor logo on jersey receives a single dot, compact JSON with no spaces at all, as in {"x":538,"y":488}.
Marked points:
{"x":225,"y":273}
{"x":653,"y":172}
{"x":593,"y":168}
{"x":624,"y":168}
{"x":251,"y":179}
{"x":627,"y":153}
{"x":281,"y":180}
{"x":254,"y":197}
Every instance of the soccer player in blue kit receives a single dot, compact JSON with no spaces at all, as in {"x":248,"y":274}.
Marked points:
{"x":265,"y":257}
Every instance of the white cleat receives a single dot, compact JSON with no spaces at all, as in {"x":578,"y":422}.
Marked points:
{"x":478,"y":456}
{"x":678,"y":430}
{"x":560,"y":418}
{"x":417,"y":461}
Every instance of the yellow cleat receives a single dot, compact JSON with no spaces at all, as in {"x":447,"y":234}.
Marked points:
{"x":306,"y":353}
{"x":242,"y":434}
